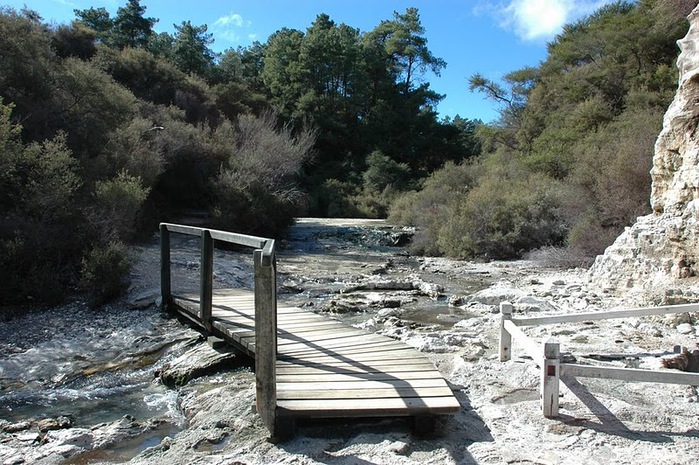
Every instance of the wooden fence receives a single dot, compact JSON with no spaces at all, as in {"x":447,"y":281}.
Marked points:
{"x":265,"y":297}
{"x":547,"y":356}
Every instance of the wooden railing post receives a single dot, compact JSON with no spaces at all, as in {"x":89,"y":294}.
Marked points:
{"x":550,"y":377}
{"x":207,"y":278}
{"x":266,"y":336}
{"x":165,"y":287}
{"x":505,"y":336}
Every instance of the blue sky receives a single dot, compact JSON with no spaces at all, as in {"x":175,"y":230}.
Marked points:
{"x":472,"y":36}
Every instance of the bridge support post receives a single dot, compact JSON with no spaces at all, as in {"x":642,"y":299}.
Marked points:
{"x":207,"y":278}
{"x":165,"y":289}
{"x":266,"y":337}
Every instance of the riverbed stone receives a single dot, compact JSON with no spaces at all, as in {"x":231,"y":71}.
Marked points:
{"x":49,"y":424}
{"x":500,"y":292}
{"x":199,"y":361}
{"x":14,"y":427}
{"x":685,"y":328}
{"x":143,"y":299}
{"x":76,"y":437}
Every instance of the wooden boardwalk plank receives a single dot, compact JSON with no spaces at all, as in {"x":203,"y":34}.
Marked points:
{"x":330,"y":408}
{"x":368,"y":384}
{"x":325,"y":368}
{"x":364,"y":393}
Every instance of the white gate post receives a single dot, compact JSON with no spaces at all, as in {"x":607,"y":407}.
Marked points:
{"x":550,"y":376}
{"x":505,"y":336}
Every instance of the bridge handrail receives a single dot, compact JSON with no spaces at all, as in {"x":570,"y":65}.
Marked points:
{"x":224,"y":236}
{"x":265,"y":269}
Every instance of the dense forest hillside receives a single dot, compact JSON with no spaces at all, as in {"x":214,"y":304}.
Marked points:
{"x":568,"y":162}
{"x":107,"y":128}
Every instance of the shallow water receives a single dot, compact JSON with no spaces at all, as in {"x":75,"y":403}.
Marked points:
{"x":126,"y":450}
{"x":98,"y":367}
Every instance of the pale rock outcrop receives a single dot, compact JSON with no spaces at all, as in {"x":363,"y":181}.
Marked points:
{"x":661,"y":251}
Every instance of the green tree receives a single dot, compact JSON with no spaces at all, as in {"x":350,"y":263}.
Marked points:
{"x":131,"y":28}
{"x":282,"y":68}
{"x":161,"y":45}
{"x":190,"y":50}
{"x":405,"y":45}
{"x":99,"y":20}
{"x":400,"y":116}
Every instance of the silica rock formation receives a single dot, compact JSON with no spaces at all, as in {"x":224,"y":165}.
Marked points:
{"x":661,"y":251}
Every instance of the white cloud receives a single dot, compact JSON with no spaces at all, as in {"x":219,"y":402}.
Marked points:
{"x":534,"y":19}
{"x":232,"y":28}
{"x":232,"y":19}
{"x":538,"y":19}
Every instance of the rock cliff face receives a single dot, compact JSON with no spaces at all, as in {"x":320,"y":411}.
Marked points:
{"x":659,"y":255}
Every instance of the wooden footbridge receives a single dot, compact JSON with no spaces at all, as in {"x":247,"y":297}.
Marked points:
{"x":306,"y":365}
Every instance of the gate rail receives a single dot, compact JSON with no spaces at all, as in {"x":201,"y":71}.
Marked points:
{"x":547,"y":356}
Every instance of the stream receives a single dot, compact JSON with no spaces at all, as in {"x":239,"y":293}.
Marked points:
{"x":89,"y":367}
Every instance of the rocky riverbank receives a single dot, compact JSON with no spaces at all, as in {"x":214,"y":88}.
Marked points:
{"x":445,"y":308}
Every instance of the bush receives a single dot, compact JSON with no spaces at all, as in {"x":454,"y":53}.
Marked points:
{"x":136,"y":148}
{"x":383,"y":172}
{"x":104,"y":272}
{"x":502,"y":219}
{"x":589,"y":237}
{"x":610,"y":185}
{"x":431,"y":208}
{"x":373,"y":204}
{"x":117,"y":203}
{"x":256,"y":191}
{"x":251,"y":211}
{"x":335,"y":197}
{"x":383,"y":181}
{"x":41,"y":228}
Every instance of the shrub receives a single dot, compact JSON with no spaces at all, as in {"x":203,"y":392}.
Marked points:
{"x":117,"y":203}
{"x":335,"y":197}
{"x":136,"y":148}
{"x":104,"y":272}
{"x":252,"y":210}
{"x":610,"y":185}
{"x":41,"y":228}
{"x":589,"y":237}
{"x":430,"y":208}
{"x":383,"y":181}
{"x":256,"y":190}
{"x":373,"y":204}
{"x":383,"y":172}
{"x":89,"y":106}
{"x":502,"y":219}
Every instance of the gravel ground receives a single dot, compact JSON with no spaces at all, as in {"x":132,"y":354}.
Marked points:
{"x":601,"y":421}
